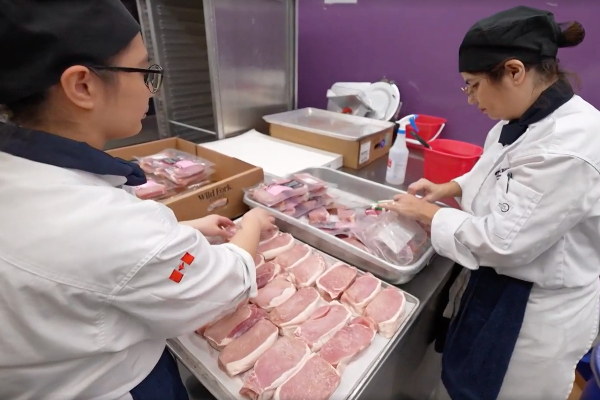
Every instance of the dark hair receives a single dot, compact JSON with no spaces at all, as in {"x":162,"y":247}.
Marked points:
{"x":572,"y":34}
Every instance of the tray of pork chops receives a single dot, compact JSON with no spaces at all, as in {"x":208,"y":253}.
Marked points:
{"x":318,"y":328}
{"x":319,"y":207}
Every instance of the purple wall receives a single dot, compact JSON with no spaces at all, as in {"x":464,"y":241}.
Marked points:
{"x":415,"y":43}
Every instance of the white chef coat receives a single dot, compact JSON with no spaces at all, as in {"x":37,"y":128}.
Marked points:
{"x":542,"y":226}
{"x":86,"y":299}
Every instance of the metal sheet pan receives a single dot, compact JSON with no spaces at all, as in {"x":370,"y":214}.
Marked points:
{"x":329,"y":123}
{"x":353,"y":186}
{"x":200,"y":358}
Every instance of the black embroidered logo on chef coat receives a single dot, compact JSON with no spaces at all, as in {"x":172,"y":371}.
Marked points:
{"x":504,"y":207}
{"x":499,"y":173}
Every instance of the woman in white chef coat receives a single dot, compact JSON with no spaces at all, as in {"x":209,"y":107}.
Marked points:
{"x":525,"y":308}
{"x":93,"y":280}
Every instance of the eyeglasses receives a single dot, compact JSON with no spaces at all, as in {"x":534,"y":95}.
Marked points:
{"x":153,"y":75}
{"x":469,"y":90}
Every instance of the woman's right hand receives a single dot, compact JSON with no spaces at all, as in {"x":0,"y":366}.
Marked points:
{"x":261,"y":217}
{"x":433,"y":192}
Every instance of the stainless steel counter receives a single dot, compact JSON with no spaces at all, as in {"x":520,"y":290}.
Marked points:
{"x":413,"y":369}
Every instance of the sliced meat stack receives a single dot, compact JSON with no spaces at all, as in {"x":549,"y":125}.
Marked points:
{"x":265,"y":273}
{"x":276,"y":246}
{"x":288,"y":259}
{"x":306,"y":272}
{"x":316,"y":380}
{"x":387,"y":310}
{"x":335,"y":280}
{"x":362,"y":292}
{"x":348,"y":342}
{"x":322,"y":325}
{"x":296,"y":310}
{"x":275,"y":366}
{"x":225,"y":330}
{"x":278,"y":191}
{"x":241,"y":354}
{"x":275,"y":293}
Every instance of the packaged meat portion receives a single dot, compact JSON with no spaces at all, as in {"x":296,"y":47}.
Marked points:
{"x":304,"y":208}
{"x":315,"y":380}
{"x":266,"y":273}
{"x":296,"y":310}
{"x":335,"y":280}
{"x":322,"y":325}
{"x":360,"y":293}
{"x":241,"y":354}
{"x":179,"y":167}
{"x":387,"y":310}
{"x":275,"y":293}
{"x":389,"y":237}
{"x":296,"y":254}
{"x":225,"y":330}
{"x":279,"y":190}
{"x":155,"y":188}
{"x":318,"y":215}
{"x":306,"y":272}
{"x":274,"y":367}
{"x":348,"y":342}
{"x":314,"y":184}
{"x":291,"y":203}
{"x":279,"y":244}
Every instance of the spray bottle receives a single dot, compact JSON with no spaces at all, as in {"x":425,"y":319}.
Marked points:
{"x":398,"y":156}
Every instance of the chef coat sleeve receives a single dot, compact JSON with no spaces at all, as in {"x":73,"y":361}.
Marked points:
{"x":185,"y":283}
{"x":546,"y":197}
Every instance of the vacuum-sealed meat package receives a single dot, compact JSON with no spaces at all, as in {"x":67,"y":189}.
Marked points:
{"x":155,"y":188}
{"x":394,"y":239}
{"x":179,"y":167}
{"x":270,"y":194}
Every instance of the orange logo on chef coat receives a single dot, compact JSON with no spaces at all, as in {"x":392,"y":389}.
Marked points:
{"x":177,"y":274}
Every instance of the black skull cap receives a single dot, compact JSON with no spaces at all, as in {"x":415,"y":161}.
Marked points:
{"x":40,"y":39}
{"x":527,"y":34}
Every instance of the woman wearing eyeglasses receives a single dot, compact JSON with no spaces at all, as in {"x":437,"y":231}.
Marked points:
{"x":86,"y":299}
{"x":525,"y":308}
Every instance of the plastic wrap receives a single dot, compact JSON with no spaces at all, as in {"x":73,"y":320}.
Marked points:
{"x":179,"y":167}
{"x":270,"y":194}
{"x":395,"y":239}
{"x":155,"y":188}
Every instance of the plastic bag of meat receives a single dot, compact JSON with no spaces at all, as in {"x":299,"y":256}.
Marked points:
{"x":291,"y":203}
{"x":270,"y":194}
{"x":315,"y":185}
{"x":176,"y":165}
{"x":392,"y":238}
{"x":154,"y":189}
{"x":304,"y":208}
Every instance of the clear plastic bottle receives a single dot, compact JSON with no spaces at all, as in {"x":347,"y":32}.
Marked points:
{"x":397,"y":159}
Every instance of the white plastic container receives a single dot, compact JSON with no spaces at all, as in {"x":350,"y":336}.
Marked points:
{"x":398,"y":156}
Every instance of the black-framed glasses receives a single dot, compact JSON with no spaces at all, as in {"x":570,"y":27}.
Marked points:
{"x":153,"y":75}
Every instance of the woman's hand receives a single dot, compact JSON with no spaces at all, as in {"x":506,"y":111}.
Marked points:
{"x":433,"y":192}
{"x":212,"y":225}
{"x":412,"y":207}
{"x":260,"y":217}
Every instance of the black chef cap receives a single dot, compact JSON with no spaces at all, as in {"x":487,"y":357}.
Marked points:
{"x":40,"y":39}
{"x":527,"y":34}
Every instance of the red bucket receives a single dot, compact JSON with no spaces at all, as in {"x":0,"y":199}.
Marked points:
{"x":449,"y":159}
{"x":429,"y":127}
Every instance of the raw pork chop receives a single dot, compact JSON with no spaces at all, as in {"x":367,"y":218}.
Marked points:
{"x":275,"y":293}
{"x":316,"y":380}
{"x":266,"y":273}
{"x":387,"y":310}
{"x":267,"y":235}
{"x":296,"y":310}
{"x":319,"y":215}
{"x":276,"y":246}
{"x":291,"y":257}
{"x":322,"y":325}
{"x":241,"y":354}
{"x":363,"y":290}
{"x":346,"y":214}
{"x":348,"y":342}
{"x":306,"y":272}
{"x":356,"y":243}
{"x":225,"y":330}
{"x":258,"y":260}
{"x":275,"y":366}
{"x":335,"y":280}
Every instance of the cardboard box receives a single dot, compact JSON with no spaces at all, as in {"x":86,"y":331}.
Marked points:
{"x":357,"y":154}
{"x":231,"y":177}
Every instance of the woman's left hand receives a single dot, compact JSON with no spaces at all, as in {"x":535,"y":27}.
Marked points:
{"x":212,"y":225}
{"x":412,"y":207}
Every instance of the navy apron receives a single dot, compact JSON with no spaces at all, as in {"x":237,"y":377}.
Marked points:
{"x":164,"y":382}
{"x":481,"y":338}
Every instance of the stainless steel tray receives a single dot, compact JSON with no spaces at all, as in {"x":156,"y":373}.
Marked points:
{"x":354,"y":379}
{"x":329,"y":123}
{"x":355,"y":186}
